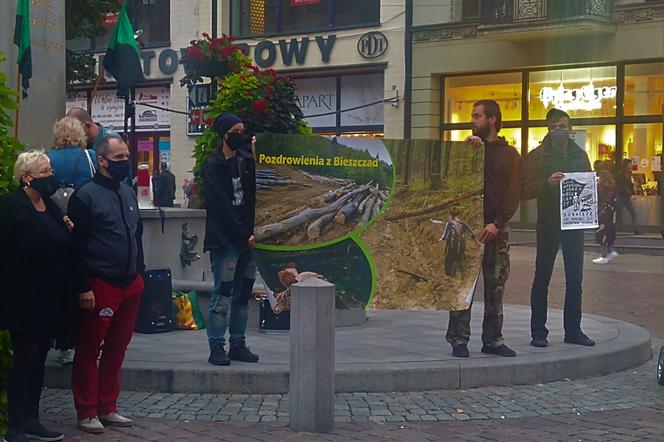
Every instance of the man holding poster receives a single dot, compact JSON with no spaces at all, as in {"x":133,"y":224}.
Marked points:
{"x":549,"y":169}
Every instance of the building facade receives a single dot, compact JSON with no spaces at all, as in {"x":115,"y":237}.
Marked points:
{"x":601,"y":61}
{"x":346,"y":58}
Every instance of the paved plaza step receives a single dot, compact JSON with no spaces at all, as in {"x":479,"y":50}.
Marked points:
{"x":394,"y":351}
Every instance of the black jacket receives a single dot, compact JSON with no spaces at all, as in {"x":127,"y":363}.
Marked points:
{"x":165,"y":189}
{"x":502,"y":182}
{"x":34,"y":260}
{"x":541,"y":162}
{"x":108,"y":233}
{"x":226,"y":222}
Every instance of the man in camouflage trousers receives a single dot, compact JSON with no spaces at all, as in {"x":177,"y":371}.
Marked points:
{"x":502,"y":181}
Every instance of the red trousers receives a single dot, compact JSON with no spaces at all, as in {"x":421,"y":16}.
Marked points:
{"x":96,"y":389}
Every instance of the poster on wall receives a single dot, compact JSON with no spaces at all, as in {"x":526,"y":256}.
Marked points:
{"x":342,"y":210}
{"x":656,"y":164}
{"x":108,"y":109}
{"x":76,"y":100}
{"x":578,"y":201}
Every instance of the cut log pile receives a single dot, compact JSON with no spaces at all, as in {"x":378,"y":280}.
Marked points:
{"x":266,"y":179}
{"x":346,"y":205}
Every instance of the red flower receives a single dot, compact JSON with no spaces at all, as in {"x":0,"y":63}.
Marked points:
{"x":268,"y":90}
{"x":208,"y":122}
{"x":195,"y":54}
{"x":254,"y":68}
{"x":260,"y":105}
{"x":227,"y":51}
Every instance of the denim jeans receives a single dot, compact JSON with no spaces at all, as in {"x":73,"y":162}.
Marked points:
{"x":234,"y":271}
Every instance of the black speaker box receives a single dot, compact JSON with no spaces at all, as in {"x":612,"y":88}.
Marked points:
{"x":156,"y":312}
{"x":269,"y":320}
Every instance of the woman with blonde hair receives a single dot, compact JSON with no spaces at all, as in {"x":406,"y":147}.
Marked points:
{"x":34,"y":239}
{"x":73,"y":165}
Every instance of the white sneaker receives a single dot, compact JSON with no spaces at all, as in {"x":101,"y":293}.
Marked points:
{"x":600,"y":260}
{"x":611,"y":256}
{"x":91,"y":425}
{"x":115,"y":419}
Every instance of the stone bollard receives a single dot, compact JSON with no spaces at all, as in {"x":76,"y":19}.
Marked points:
{"x":311,"y":385}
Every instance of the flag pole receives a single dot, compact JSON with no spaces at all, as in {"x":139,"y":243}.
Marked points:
{"x":100,"y":76}
{"x":18,"y":100}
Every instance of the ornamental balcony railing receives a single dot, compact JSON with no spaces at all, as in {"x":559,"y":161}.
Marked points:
{"x":499,"y":12}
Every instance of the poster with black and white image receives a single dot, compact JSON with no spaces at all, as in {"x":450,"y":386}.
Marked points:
{"x":578,"y":201}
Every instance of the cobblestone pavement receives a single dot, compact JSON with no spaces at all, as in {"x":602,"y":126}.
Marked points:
{"x":626,"y":406}
{"x":638,"y":424}
{"x":617,"y":391}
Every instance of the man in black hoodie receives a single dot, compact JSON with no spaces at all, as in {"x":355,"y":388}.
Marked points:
{"x":545,"y":168}
{"x":229,"y":191}
{"x":502,"y":180}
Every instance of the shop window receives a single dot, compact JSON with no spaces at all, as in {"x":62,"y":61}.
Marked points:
{"x":470,"y":10}
{"x":277,"y":17}
{"x":643,"y":145}
{"x":644,"y":89}
{"x":462,"y":92}
{"x":152,"y":17}
{"x":581,"y":92}
{"x":512,"y":136}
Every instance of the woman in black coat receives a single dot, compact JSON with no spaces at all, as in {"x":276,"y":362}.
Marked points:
{"x":34,"y":240}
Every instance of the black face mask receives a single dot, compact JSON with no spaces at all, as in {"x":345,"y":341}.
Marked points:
{"x":237,"y":141}
{"x":119,"y":170}
{"x":46,"y":186}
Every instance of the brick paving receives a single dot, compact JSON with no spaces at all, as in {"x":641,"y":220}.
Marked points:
{"x":626,"y":406}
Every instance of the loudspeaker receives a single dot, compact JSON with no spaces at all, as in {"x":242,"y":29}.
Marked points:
{"x":156,"y":312}
{"x":269,"y":320}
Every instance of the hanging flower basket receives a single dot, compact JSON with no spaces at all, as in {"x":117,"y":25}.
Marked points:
{"x":213,"y":68}
{"x":210,"y":57}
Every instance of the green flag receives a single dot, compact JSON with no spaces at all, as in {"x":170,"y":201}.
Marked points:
{"x":122,"y":59}
{"x":22,"y":40}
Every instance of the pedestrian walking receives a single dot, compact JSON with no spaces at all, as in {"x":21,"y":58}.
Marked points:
{"x":165,"y":183}
{"x":502,"y":178}
{"x":35,"y":244}
{"x":625,"y":192}
{"x":545,"y":168}
{"x":606,"y":214}
{"x":108,"y":260}
{"x":229,"y":182}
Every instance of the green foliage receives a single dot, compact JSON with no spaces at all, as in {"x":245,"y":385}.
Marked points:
{"x":265,"y":101}
{"x":85,"y":19}
{"x":211,"y":57}
{"x":9,"y":148}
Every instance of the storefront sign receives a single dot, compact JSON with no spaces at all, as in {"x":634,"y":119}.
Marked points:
{"x":372,"y":45}
{"x":265,"y":52}
{"x":587,"y":97}
{"x":108,"y":109}
{"x":318,"y":96}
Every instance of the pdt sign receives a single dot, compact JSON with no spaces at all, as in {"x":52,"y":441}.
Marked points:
{"x":372,"y":45}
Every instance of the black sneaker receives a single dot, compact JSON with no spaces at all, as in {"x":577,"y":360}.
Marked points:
{"x":218,"y":355}
{"x":460,"y":351}
{"x":242,"y":353}
{"x":580,"y":339}
{"x":501,"y":350}
{"x":34,"y":430}
{"x":15,"y":435}
{"x":539,"y":342}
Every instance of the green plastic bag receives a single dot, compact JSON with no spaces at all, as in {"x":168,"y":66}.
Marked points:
{"x":199,"y":318}
{"x":187,"y":311}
